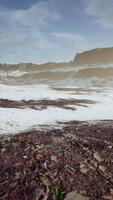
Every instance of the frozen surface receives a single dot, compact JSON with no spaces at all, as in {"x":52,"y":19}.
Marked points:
{"x":30,"y":92}
{"x":17,"y":120}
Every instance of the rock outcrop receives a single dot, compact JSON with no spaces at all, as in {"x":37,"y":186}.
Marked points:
{"x":99,"y":55}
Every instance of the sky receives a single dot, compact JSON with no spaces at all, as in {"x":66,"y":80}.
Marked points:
{"x":40,"y":31}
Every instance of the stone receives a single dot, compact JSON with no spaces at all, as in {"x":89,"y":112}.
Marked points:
{"x":75,"y":196}
{"x":97,"y":156}
{"x":102,"y":168}
{"x":3,"y":150}
{"x":45,"y":181}
{"x":111,"y":192}
{"x":108,"y":197}
{"x":54,"y":158}
{"x":25,"y":157}
{"x":83,"y":168}
{"x":40,"y":146}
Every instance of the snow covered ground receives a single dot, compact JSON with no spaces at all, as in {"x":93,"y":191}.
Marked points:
{"x":13,"y":120}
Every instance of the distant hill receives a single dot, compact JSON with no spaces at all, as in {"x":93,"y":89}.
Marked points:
{"x":94,"y":56}
{"x":99,"y":55}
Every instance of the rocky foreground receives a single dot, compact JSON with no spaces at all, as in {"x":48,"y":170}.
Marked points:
{"x":72,"y":163}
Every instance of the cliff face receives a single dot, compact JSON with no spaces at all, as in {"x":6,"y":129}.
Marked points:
{"x":99,"y":55}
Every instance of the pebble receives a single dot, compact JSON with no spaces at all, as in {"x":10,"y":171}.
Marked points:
{"x":54,"y":158}
{"x":75,"y":196}
{"x":46,"y":181}
{"x":108,"y":197}
{"x":102,"y":168}
{"x":83,"y":168}
{"x":97,"y":156}
{"x":3,"y":150}
{"x":24,"y":156}
{"x":40,"y":146}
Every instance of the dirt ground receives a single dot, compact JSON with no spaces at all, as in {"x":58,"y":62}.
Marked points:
{"x":72,"y":163}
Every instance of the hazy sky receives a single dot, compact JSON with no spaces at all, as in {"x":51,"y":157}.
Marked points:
{"x":53,"y":30}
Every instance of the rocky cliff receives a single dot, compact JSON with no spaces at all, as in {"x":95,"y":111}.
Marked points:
{"x":99,"y":55}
